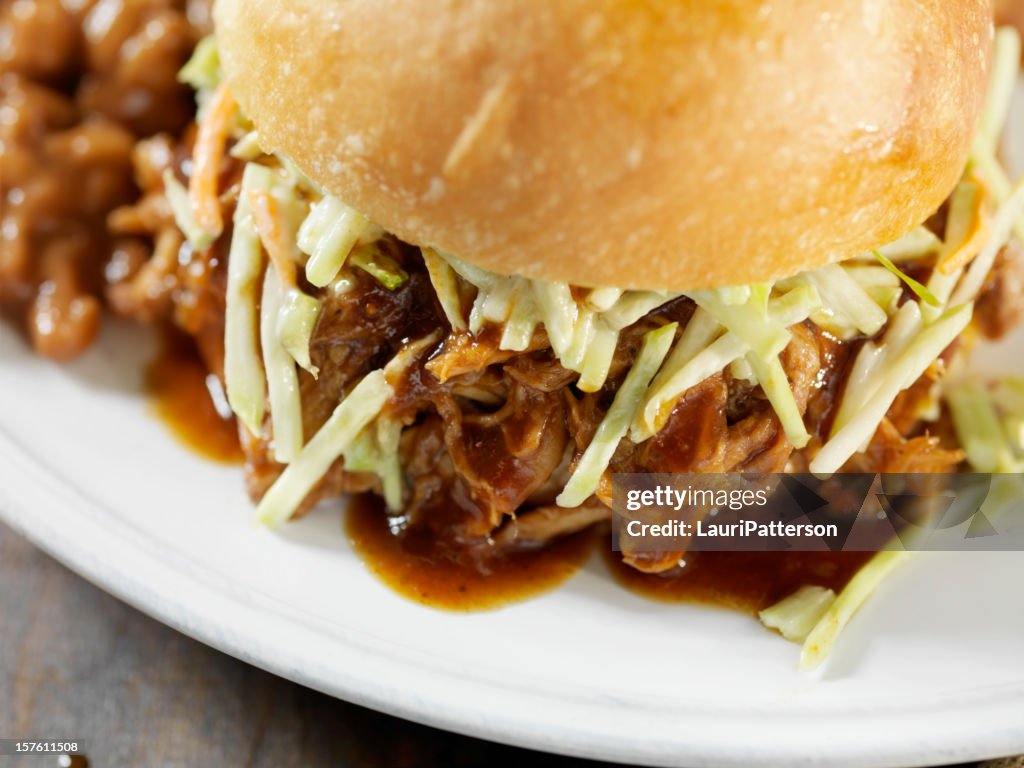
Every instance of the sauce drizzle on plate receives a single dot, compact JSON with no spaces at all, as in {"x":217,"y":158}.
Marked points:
{"x":742,"y":581}
{"x":441,"y":575}
{"x":177,"y":383}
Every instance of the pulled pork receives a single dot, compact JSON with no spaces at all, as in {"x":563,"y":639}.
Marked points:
{"x":490,"y":436}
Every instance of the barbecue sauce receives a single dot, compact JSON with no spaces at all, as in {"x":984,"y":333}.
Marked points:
{"x":742,"y":581}
{"x":441,"y":574}
{"x":425,"y":567}
{"x":177,"y":385}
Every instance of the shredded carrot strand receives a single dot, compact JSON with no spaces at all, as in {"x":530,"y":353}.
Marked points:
{"x":271,"y":227}
{"x":211,"y":141}
{"x":975,"y":240}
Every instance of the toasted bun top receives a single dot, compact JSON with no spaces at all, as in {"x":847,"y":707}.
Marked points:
{"x":673,"y":144}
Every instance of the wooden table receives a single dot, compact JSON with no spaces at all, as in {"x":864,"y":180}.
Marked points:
{"x":75,"y":663}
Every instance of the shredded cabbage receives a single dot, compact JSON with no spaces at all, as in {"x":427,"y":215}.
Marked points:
{"x":400,"y":364}
{"x":978,"y":429}
{"x":1002,"y":224}
{"x":358,"y":409}
{"x":916,"y":244}
{"x":471,"y":273}
{"x":772,"y":378}
{"x":1002,"y":79}
{"x":495,"y":304}
{"x":328,"y":235}
{"x":747,"y":320}
{"x":367,"y":453}
{"x":282,"y":380}
{"x":897,"y":374}
{"x":846,"y":308}
{"x":522,"y":319}
{"x":657,"y":405}
{"x":884,"y":288}
{"x":702,"y":352}
{"x":582,"y":333}
{"x":442,"y":277}
{"x":248,"y":147}
{"x":960,"y":224}
{"x":243,"y":369}
{"x":202,"y":70}
{"x":873,"y":356}
{"x":633,"y":305}
{"x":591,"y":466}
{"x":796,"y":615}
{"x":181,"y":207}
{"x":602,"y":299}
{"x":821,"y":638}
{"x":597,"y":360}
{"x":919,"y":290}
{"x":296,"y":322}
{"x":558,"y":311}
{"x":740,"y":370}
{"x":378,"y":265}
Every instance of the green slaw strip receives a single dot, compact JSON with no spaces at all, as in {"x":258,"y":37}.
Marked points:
{"x":380,"y":266}
{"x":846,"y":307}
{"x":919,"y":290}
{"x":446,"y":286}
{"x":897,"y":375}
{"x":984,"y":148}
{"x":296,"y":322}
{"x":359,"y":408}
{"x":367,"y":454}
{"x":597,"y":360}
{"x":796,"y":615}
{"x":202,"y":70}
{"x":177,"y":198}
{"x":823,"y":636}
{"x":282,"y":380}
{"x":1002,"y":225}
{"x":978,"y":428}
{"x":1002,"y":78}
{"x":772,"y":378}
{"x":748,"y":321}
{"x":327,"y":235}
{"x":243,"y":369}
{"x":519,"y":328}
{"x":699,"y":354}
{"x":594,"y":461}
{"x":916,"y":244}
{"x":558,"y":311}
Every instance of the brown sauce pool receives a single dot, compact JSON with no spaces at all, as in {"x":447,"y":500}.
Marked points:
{"x":442,"y":576}
{"x":455,"y":579}
{"x":742,"y":581}
{"x":176,"y":383}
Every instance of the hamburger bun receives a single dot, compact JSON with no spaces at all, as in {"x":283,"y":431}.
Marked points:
{"x":660,"y":144}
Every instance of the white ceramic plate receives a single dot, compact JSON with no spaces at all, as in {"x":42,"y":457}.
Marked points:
{"x":930,"y":671}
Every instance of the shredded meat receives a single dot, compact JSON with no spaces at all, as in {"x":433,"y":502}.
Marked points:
{"x":543,"y":524}
{"x":890,"y":451}
{"x":93,"y":117}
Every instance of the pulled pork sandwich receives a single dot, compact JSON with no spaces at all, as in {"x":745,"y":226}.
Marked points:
{"x":477,"y":257}
{"x":486,"y":255}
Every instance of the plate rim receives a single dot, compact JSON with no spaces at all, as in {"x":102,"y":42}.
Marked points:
{"x":48,"y":510}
